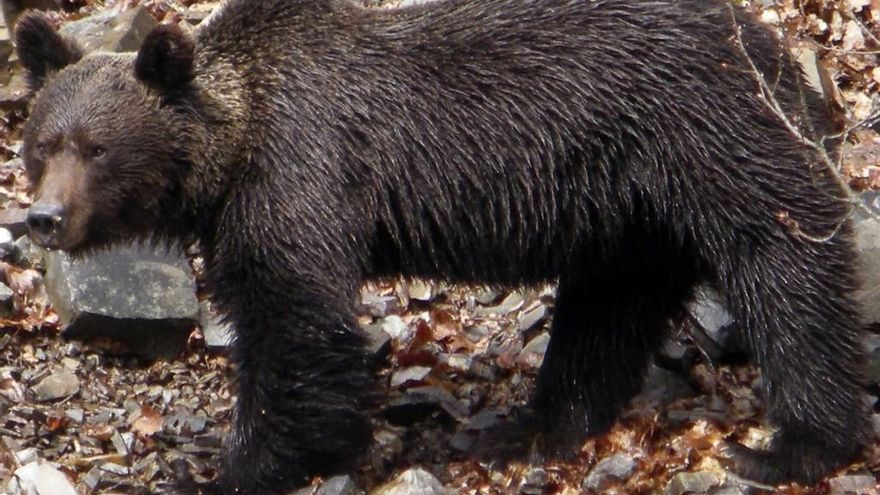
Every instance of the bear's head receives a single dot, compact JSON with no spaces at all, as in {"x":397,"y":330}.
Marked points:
{"x":103,"y":143}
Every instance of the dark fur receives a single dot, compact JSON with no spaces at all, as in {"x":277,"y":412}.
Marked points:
{"x":617,"y":146}
{"x":42,"y":51}
{"x":166,"y":59}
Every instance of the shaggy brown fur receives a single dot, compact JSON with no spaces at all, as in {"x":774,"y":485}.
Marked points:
{"x":618,"y":147}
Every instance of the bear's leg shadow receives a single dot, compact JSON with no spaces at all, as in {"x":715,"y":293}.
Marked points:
{"x":792,"y":297}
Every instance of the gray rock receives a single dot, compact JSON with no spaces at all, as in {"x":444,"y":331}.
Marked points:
{"x":859,"y":484}
{"x":693,"y":482}
{"x":534,"y":482}
{"x":113,"y":468}
{"x":379,"y":306}
{"x":618,"y":467}
{"x":75,"y":415}
{"x":380,"y":332}
{"x":431,"y":396}
{"x":194,"y":17}
{"x":6,"y":300}
{"x":867,"y":235}
{"x":511,"y":303}
{"x":6,"y":50}
{"x":13,"y":220}
{"x":420,"y":290}
{"x":486,"y":296}
{"x":92,"y":479}
{"x":62,"y":383}
{"x":394,"y":326}
{"x":872,"y":342}
{"x":532,"y":317}
{"x":708,"y":309}
{"x":462,"y":441}
{"x":28,"y":254}
{"x":414,"y":481}
{"x":727,"y":490}
{"x":662,"y":386}
{"x":7,"y":244}
{"x":458,"y":362}
{"x":12,"y":9}
{"x":182,"y":424}
{"x":218,"y":333}
{"x":136,"y":295}
{"x":27,"y":456}
{"x":14,"y":94}
{"x":378,"y":342}
{"x":337,"y":485}
{"x":111,"y":31}
{"x":411,"y":374}
{"x":40,"y":478}
{"x":484,"y":420}
{"x":533,"y":352}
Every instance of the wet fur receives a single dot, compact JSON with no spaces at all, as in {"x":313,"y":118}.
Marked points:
{"x":616,"y":146}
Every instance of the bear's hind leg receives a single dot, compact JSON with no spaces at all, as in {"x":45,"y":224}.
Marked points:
{"x":792,"y":297}
{"x":608,"y":324}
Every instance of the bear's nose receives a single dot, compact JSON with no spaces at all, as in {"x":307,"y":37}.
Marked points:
{"x":45,"y":222}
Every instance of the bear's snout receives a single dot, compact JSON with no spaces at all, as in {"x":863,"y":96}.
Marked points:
{"x":46,"y":222}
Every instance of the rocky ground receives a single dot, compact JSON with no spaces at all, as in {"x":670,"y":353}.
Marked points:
{"x":118,"y":410}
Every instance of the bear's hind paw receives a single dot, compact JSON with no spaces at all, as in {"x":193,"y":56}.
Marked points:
{"x":805,"y":465}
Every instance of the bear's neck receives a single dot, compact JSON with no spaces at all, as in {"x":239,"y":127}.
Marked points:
{"x":216,"y":150}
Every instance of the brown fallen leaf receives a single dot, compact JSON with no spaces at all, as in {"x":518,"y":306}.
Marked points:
{"x":146,"y":422}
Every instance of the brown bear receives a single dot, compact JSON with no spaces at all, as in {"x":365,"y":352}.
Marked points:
{"x":628,"y":150}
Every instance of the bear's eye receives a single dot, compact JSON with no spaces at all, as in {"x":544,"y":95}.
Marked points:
{"x":40,"y":150}
{"x":97,"y":151}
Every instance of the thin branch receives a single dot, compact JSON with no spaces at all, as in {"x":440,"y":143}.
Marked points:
{"x":833,"y":167}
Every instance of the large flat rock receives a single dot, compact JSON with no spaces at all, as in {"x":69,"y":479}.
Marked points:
{"x":140,"y":296}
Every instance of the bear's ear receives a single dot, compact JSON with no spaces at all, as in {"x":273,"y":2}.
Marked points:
{"x":165,"y":59}
{"x":41,"y":50}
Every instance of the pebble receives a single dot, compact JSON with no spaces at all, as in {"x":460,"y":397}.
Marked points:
{"x":12,"y":219}
{"x":859,"y":484}
{"x":709,"y":310}
{"x":511,"y":303}
{"x":693,"y":482}
{"x":414,"y":481}
{"x":420,"y":290}
{"x":6,"y":299}
{"x":535,"y":482}
{"x":728,"y":490}
{"x":113,"y":468}
{"x":28,"y":254}
{"x":459,"y":362}
{"x":218,"y":333}
{"x":40,"y":478}
{"x":337,"y":485}
{"x":531,"y":317}
{"x":62,"y":383}
{"x":533,"y":352}
{"x":27,"y":455}
{"x":379,"y":306}
{"x":394,"y":326}
{"x":486,"y":296}
{"x":7,"y":243}
{"x":411,"y":374}
{"x":618,"y":467}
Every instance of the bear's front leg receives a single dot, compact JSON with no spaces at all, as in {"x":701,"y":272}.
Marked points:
{"x":302,"y":376}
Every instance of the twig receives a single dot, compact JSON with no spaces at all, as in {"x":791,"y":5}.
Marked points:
{"x":834,"y":168}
